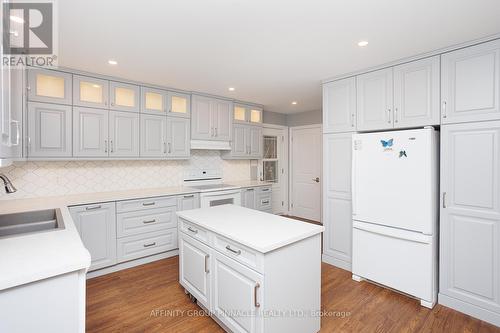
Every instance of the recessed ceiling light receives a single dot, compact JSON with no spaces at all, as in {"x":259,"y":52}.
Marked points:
{"x":16,"y":19}
{"x":231,"y":89}
{"x":363,"y":43}
{"x":112,"y":62}
{"x":294,"y":103}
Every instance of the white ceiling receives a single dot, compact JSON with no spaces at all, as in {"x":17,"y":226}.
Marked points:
{"x":273,"y":52}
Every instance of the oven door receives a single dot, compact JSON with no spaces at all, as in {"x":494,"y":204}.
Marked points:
{"x":217,"y":198}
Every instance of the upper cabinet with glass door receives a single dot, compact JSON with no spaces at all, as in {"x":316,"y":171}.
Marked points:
{"x":179,"y":104}
{"x":154,"y":101}
{"x":49,"y":86}
{"x":123,"y":96}
{"x":247,"y":114}
{"x":90,"y":92}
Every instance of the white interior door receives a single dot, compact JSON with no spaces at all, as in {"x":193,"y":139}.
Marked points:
{"x":306,"y":172}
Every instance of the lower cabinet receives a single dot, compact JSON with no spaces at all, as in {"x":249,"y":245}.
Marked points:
{"x":238,"y":291}
{"x":248,"y":197}
{"x":194,"y":268}
{"x":96,"y":225}
{"x":143,"y":245}
{"x":469,"y":256}
{"x":189,"y":201}
{"x":259,"y":198}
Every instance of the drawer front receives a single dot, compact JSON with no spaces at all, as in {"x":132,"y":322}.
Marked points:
{"x":133,"y":247}
{"x":264,"y":190}
{"x":241,"y":253}
{"x":139,"y":222}
{"x":141,"y":204}
{"x":264,"y":203}
{"x":194,"y":231}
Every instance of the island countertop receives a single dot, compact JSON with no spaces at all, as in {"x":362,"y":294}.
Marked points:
{"x":257,"y":230}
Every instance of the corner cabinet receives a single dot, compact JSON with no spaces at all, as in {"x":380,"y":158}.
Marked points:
{"x":470,"y":219}
{"x":96,"y":225}
{"x":339,"y":106}
{"x":470,"y":84}
{"x":337,"y":207}
{"x":211,"y":119}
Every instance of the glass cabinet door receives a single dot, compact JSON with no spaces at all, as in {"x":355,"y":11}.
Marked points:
{"x":153,"y":100}
{"x":124,"y":97}
{"x":256,"y":116}
{"x":89,"y":91}
{"x":179,"y":104}
{"x":270,"y":159}
{"x":49,"y":86}
{"x":240,"y":114}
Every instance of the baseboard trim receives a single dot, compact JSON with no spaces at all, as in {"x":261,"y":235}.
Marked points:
{"x":470,"y":309}
{"x":337,"y":262}
{"x":131,"y":263}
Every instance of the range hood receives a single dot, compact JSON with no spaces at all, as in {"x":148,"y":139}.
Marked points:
{"x":211,"y":145}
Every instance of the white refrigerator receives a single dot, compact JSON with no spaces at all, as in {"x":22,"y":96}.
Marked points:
{"x":395,"y":210}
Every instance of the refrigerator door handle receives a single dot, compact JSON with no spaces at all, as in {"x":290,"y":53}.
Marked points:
{"x":412,"y":236}
{"x":444,"y":199}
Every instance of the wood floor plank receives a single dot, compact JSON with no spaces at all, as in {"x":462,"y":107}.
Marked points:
{"x":149,"y":298}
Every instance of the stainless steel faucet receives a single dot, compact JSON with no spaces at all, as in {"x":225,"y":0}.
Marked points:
{"x":9,"y":188}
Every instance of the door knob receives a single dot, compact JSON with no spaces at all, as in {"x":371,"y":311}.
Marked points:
{"x":316,"y":179}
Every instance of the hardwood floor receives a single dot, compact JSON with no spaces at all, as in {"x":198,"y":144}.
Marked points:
{"x":148,"y":298}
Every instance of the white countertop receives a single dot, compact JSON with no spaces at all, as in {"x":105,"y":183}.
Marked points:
{"x":257,"y":230}
{"x":37,"y":256}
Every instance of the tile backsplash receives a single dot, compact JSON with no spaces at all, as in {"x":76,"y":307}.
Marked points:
{"x":49,"y":178}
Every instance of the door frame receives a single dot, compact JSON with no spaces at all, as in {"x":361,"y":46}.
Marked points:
{"x":283,"y":162}
{"x":290,"y":177}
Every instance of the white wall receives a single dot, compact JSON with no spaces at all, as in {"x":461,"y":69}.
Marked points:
{"x":294,"y":119}
{"x":50,"y":178}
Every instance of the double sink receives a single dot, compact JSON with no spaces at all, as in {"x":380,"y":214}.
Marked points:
{"x":24,"y":223}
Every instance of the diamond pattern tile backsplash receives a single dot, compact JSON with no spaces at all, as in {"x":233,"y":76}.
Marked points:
{"x":49,"y":178}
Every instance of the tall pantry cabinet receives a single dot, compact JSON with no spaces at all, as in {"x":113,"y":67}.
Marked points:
{"x":339,"y":122}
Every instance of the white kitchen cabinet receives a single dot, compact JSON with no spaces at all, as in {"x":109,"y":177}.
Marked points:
{"x":211,"y":119}
{"x":255,"y":142}
{"x":247,"y":143}
{"x":470,"y":219}
{"x":189,"y":201}
{"x":123,"y":134}
{"x":337,"y":209}
{"x":416,"y":93}
{"x":153,"y":101}
{"x":90,"y":91}
{"x":147,"y":244}
{"x":178,"y":137}
{"x":90,"y":132}
{"x":49,"y":86}
{"x":153,"y":135}
{"x":248,"y":197}
{"x":123,"y":96}
{"x":194,"y":268}
{"x":237,"y":288}
{"x":339,"y":106}
{"x":179,"y":104}
{"x":201,"y":119}
{"x":49,"y":130}
{"x":374,"y":100}
{"x":247,"y":114}
{"x":470,"y":83}
{"x":96,"y":225}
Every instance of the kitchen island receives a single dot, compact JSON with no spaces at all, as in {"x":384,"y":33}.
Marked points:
{"x":253,"y":271}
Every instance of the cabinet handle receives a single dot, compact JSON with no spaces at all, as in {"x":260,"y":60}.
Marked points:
{"x":105,"y":103}
{"x":267,"y":189}
{"x":444,"y":199}
{"x":352,"y":120}
{"x":193,"y":230}
{"x":150,"y":244}
{"x":93,"y":207}
{"x":149,"y":221}
{"x":112,"y":104}
{"x":164,"y":147}
{"x":206,"y":263}
{"x":257,"y":304}
{"x":265,"y":202}
{"x":189,"y":196}
{"x":237,"y":252}
{"x":444,"y":109}
{"x":112,"y":146}
{"x":216,"y":132}
{"x":18,"y":131}
{"x":250,"y":189}
{"x":148,"y":203}
{"x":389,"y":116}
{"x":105,"y":146}
{"x":169,"y":148}
{"x":395,"y":115}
